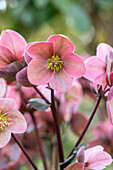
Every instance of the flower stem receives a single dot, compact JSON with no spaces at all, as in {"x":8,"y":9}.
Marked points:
{"x":71,"y":155}
{"x":25,"y":153}
{"x":56,"y":123}
{"x":57,"y":128}
{"x":87,"y":125}
{"x":39,"y":141}
{"x":43,"y":97}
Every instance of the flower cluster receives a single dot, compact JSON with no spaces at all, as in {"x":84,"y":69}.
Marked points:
{"x":50,"y":70}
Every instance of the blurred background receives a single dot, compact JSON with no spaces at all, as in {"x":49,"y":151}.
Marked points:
{"x":86,"y":23}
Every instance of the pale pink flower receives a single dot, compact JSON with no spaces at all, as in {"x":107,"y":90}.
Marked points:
{"x":93,"y":159}
{"x":12,"y":47}
{"x":55,"y":63}
{"x":11,"y":120}
{"x":97,"y":66}
{"x":99,"y":69}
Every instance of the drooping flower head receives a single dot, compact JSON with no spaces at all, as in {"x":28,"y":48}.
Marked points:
{"x":93,"y":158}
{"x":55,"y":63}
{"x":12,"y":48}
{"x":11,"y":120}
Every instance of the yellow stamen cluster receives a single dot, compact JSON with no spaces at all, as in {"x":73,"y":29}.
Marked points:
{"x":54,"y":63}
{"x":4,"y":121}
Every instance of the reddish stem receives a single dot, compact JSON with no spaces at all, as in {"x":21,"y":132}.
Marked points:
{"x":57,"y":128}
{"x":39,"y":141}
{"x":25,"y":153}
{"x":83,"y":132}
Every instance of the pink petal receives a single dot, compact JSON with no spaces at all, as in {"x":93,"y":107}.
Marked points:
{"x":109,"y":105}
{"x":26,"y":56}
{"x":89,"y":151}
{"x":6,"y":57}
{"x":7,"y":104}
{"x":75,"y":166}
{"x":73,"y":65}
{"x":61,"y":45}
{"x":40,"y":50}
{"x":14,"y":94}
{"x":101,"y":79}
{"x":111,"y":79}
{"x":94,"y":67}
{"x":14,"y":41}
{"x":5,"y":137}
{"x":61,"y":81}
{"x":19,"y":124}
{"x":22,"y":78}
{"x":99,"y":160}
{"x":38,"y":73}
{"x":80,"y":155}
{"x":102,"y":50}
{"x":3,"y":87}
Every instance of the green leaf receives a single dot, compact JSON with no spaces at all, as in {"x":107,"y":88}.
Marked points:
{"x":39,"y":104}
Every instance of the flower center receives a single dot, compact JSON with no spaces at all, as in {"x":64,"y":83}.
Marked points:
{"x":4,"y":121}
{"x":54,"y":63}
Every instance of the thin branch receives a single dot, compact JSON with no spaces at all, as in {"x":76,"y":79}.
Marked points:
{"x":57,"y":128}
{"x":43,"y":97}
{"x":87,"y":125}
{"x":25,"y":153}
{"x":39,"y":141}
{"x":83,"y":132}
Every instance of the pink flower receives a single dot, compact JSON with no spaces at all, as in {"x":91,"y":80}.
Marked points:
{"x":11,"y":120}
{"x":55,"y":63}
{"x":93,"y":159}
{"x":12,"y":48}
{"x":97,"y":66}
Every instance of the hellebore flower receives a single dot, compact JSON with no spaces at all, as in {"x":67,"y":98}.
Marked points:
{"x":98,"y":67}
{"x":55,"y":63}
{"x":11,"y":120}
{"x":12,"y":48}
{"x":93,"y":159}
